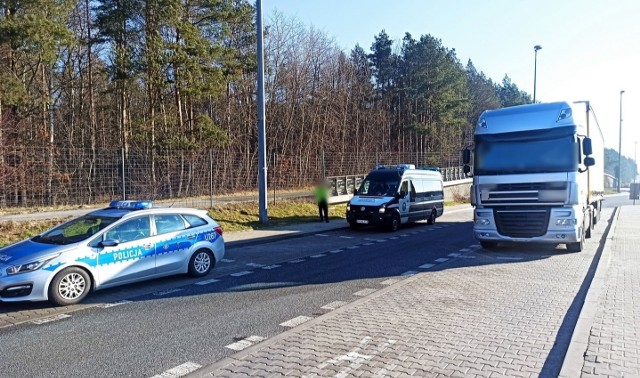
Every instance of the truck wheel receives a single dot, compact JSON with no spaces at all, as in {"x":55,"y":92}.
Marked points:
{"x":432,"y":217}
{"x":578,"y":246}
{"x":488,"y":244}
{"x":395,"y":224}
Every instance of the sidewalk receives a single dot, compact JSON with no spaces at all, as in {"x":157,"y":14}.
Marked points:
{"x":466,"y":317}
{"x":613,"y":347}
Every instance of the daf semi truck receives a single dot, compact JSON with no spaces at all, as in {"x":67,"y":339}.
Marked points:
{"x":538,"y":174}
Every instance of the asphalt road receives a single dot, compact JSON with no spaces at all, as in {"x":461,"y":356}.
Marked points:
{"x":174,"y":321}
{"x":160,"y":330}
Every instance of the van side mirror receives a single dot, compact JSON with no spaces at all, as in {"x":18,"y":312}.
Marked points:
{"x":587,"y":149}
{"x":589,"y":161}
{"x":466,"y":156}
{"x":466,"y":169}
{"x":402,"y":194}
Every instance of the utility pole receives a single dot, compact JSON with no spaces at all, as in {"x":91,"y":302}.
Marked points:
{"x":535,"y":69}
{"x":620,"y":145}
{"x":262,"y":149}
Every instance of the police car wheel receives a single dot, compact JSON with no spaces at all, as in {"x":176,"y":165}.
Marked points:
{"x":70,"y":286}
{"x":201,"y":263}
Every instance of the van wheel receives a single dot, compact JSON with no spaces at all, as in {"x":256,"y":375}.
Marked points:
{"x":395,"y":223}
{"x":432,"y":217}
{"x":70,"y":286}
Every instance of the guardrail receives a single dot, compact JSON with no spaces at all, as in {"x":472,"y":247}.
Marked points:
{"x":344,"y":185}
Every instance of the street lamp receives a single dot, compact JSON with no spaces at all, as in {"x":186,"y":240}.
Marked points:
{"x":620,"y":145}
{"x":635,"y":171}
{"x":535,"y":69}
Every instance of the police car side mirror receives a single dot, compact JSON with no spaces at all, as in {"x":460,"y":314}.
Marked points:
{"x":109,"y":243}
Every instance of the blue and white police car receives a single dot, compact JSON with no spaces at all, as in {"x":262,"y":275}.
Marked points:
{"x":129,"y":241}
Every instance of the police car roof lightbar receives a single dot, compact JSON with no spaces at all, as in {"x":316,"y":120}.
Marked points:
{"x":131,"y":205}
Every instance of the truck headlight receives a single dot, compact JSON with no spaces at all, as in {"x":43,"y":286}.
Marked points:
{"x":566,"y":222}
{"x":483,"y":221}
{"x":28,"y":267}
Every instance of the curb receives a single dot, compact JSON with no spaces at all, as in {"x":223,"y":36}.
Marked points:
{"x":276,"y":238}
{"x":207,"y":371}
{"x":574,"y":358}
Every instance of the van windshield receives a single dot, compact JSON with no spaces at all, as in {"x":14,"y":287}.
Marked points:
{"x":380,"y":184}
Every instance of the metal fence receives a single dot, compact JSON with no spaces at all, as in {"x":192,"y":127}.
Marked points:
{"x":37,"y":177}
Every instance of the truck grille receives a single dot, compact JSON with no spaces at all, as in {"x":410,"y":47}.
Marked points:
{"x":522,"y":223}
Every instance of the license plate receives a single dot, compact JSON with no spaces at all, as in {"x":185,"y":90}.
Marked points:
{"x":362,"y":221}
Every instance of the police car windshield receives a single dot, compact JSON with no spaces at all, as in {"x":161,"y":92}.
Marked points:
{"x":75,"y":230}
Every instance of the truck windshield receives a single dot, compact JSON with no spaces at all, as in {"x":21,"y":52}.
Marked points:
{"x":537,"y":151}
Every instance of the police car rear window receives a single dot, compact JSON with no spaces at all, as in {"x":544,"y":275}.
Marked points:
{"x":194,"y":220}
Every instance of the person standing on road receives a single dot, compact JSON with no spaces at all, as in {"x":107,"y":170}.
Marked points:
{"x":322,"y":196}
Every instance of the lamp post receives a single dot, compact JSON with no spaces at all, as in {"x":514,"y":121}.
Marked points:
{"x":635,"y":171}
{"x":620,"y":145}
{"x":535,"y":69}
{"x":262,"y":150}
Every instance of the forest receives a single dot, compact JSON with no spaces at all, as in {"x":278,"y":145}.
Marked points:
{"x":157,"y":99}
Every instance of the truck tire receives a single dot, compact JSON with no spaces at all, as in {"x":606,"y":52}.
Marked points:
{"x":577,"y":246}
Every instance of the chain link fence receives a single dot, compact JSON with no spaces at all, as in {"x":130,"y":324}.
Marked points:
{"x":39,"y":177}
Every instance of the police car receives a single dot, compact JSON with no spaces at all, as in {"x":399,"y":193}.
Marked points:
{"x":129,"y":241}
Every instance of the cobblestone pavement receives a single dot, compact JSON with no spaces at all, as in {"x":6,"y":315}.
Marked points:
{"x":614,"y":339}
{"x":509,"y":312}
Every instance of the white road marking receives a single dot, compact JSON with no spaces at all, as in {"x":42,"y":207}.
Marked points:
{"x":227,"y":260}
{"x":364,"y":292}
{"x":509,"y":258}
{"x":390,"y":281}
{"x":245,"y":343}
{"x":322,"y":235}
{"x":166,"y":292}
{"x":466,"y":257}
{"x":441,"y":260}
{"x":296,"y":321}
{"x":453,"y":255}
{"x":239,"y":274}
{"x":426,"y":266}
{"x":367,"y":243}
{"x":207,"y":282}
{"x":355,"y":358}
{"x":296,"y":261}
{"x":50,"y":319}
{"x":269,"y":267}
{"x":475,"y":246}
{"x":333,"y":305}
{"x":465,"y":250}
{"x":409,"y":273}
{"x":354,"y":247}
{"x":347,"y":237}
{"x":255,"y":265}
{"x":394,"y":238}
{"x":404,"y":235}
{"x":114,"y":304}
{"x":179,"y":371}
{"x":319,"y":255}
{"x":337,"y":251}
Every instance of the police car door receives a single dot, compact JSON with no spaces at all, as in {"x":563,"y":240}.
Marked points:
{"x":174,"y":243}
{"x":127,"y":252}
{"x":403,"y":202}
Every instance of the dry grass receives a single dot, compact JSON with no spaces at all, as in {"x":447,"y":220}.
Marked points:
{"x":232,"y":217}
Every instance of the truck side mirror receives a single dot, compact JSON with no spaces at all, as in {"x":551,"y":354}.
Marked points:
{"x":589,"y":161}
{"x":587,"y":149}
{"x":466,"y":156}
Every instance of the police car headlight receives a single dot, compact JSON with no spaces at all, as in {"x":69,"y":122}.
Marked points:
{"x":28,"y":267}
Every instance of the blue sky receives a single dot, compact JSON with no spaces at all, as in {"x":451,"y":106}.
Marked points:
{"x":590,"y":49}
